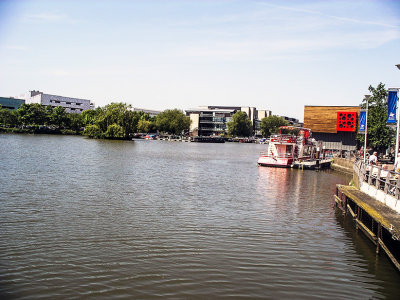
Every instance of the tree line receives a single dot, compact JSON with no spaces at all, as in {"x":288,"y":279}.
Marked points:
{"x":240,"y":125}
{"x":117,"y":121}
{"x":113,"y":121}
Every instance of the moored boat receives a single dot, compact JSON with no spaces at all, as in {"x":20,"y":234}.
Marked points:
{"x":291,"y":145}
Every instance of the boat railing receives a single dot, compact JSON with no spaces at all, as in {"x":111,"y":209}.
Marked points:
{"x":283,"y":138}
{"x":285,"y":155}
{"x":378,"y":177}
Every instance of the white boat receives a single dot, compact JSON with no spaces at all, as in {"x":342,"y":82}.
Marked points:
{"x":292,"y":144}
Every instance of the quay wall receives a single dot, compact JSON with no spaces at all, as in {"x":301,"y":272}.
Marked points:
{"x":378,"y":222}
{"x":342,"y":165}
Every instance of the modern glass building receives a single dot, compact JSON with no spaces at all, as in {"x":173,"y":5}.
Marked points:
{"x":11,"y":103}
{"x":212,"y":120}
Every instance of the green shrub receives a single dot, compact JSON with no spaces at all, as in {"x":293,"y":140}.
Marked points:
{"x":114,"y":131}
{"x":93,"y":131}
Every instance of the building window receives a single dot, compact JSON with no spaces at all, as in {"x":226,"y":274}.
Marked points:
{"x":67,"y":102}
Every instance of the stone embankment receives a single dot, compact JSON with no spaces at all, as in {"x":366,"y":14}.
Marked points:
{"x":343,"y":165}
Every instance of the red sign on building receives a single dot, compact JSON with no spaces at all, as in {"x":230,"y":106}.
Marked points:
{"x":346,"y":121}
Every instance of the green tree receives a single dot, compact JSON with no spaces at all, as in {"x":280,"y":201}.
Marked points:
{"x":114,"y":131}
{"x":89,"y":116}
{"x":145,"y":126}
{"x":120,"y":114}
{"x":93,"y":131}
{"x":32,"y":114}
{"x":379,"y":136}
{"x":172,"y":121}
{"x":271,"y":124}
{"x":48,"y":111}
{"x":75,"y":121}
{"x":8,"y":117}
{"x":239,"y":125}
{"x":58,"y":116}
{"x":130,"y":121}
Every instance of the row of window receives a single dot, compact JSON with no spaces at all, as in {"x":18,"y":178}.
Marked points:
{"x":71,"y":108}
{"x":68,"y":103}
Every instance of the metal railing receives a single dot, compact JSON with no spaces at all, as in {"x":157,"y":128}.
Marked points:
{"x":379,"y":177}
{"x":282,"y":155}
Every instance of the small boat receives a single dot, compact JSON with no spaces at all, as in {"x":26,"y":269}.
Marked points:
{"x":292,"y":144}
{"x":312,"y":164}
{"x":207,"y":139}
{"x":150,"y":137}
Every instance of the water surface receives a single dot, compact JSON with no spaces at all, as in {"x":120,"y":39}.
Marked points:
{"x":85,"y":218}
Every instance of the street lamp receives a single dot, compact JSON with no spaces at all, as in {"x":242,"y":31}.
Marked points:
{"x":366,"y":97}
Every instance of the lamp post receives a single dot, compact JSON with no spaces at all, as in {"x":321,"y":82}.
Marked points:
{"x":366,"y":127}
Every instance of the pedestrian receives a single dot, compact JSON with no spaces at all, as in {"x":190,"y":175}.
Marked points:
{"x":396,"y":166}
{"x":373,"y":159}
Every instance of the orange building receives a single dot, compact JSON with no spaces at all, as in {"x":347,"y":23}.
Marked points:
{"x":337,"y":126}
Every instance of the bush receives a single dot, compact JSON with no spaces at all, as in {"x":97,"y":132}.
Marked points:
{"x":114,"y":131}
{"x":93,"y":131}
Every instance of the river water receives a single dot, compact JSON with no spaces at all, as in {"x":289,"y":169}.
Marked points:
{"x":84,"y":218}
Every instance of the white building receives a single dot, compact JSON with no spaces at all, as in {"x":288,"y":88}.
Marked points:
{"x":71,"y":105}
{"x":212,"y":120}
{"x":151,"y":113}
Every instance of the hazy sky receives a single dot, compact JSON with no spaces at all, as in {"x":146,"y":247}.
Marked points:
{"x":276,"y":55}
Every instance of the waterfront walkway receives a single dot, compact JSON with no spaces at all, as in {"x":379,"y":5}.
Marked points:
{"x":375,"y":213}
{"x":376,"y":209}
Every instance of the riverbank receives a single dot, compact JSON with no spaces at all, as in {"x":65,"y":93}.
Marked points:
{"x":53,"y":131}
{"x":38,"y":130}
{"x":373,"y":203}
{"x":377,"y":221}
{"x":342,"y":165}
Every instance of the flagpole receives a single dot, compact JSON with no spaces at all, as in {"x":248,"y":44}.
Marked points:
{"x":366,"y":128}
{"x":397,"y":127}
{"x":397,"y":131}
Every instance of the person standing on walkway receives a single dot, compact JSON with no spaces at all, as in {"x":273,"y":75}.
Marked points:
{"x":373,"y":159}
{"x":396,"y":166}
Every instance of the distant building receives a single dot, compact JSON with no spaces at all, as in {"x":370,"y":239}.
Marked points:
{"x":212,"y":120}
{"x":335,"y":126}
{"x":11,"y":103}
{"x":151,"y":113}
{"x":71,"y":105}
{"x":293,"y":121}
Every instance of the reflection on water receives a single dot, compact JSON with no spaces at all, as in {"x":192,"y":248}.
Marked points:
{"x":150,"y":219}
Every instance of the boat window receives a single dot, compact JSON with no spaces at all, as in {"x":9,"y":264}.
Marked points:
{"x":289,"y":150}
{"x":307,"y":151}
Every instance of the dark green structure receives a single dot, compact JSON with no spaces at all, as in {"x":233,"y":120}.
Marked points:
{"x":11,"y":103}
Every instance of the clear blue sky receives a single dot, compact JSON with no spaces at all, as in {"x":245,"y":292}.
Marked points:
{"x":276,"y":55}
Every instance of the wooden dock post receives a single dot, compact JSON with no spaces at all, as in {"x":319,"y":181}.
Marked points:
{"x":379,"y":235}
